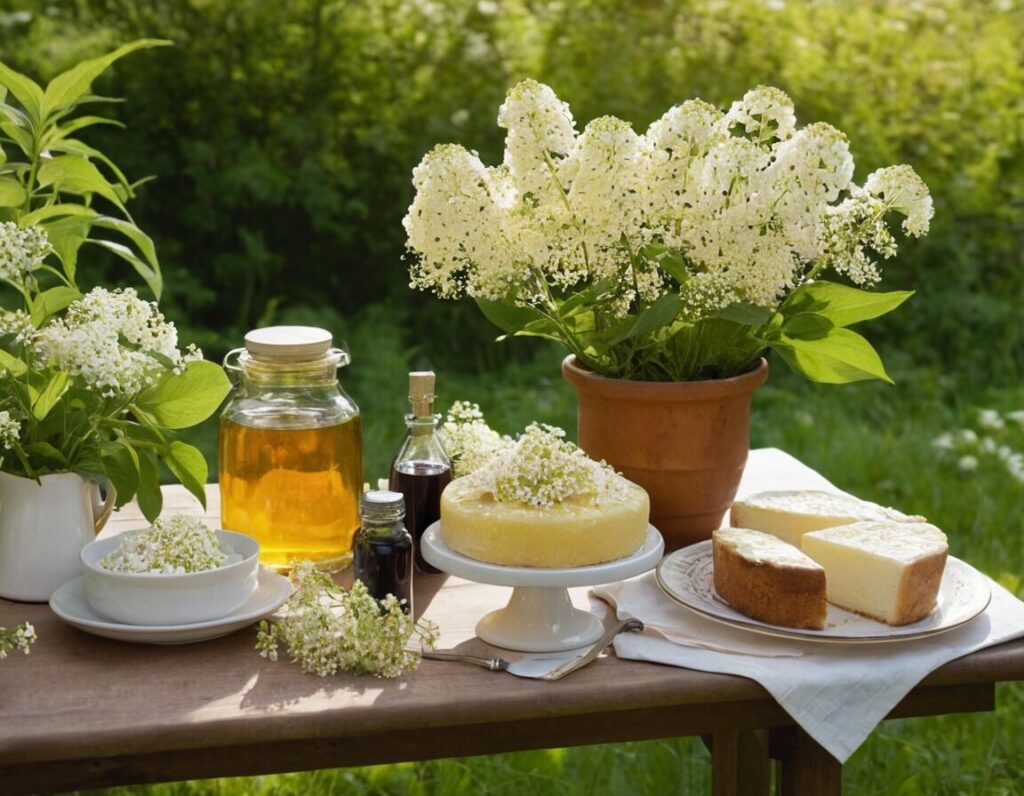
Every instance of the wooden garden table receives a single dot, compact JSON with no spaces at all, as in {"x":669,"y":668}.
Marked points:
{"x":82,"y":711}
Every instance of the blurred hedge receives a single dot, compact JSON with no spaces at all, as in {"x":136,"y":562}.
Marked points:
{"x":284,"y":133}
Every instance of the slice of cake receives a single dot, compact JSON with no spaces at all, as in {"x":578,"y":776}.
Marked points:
{"x":890,"y":571}
{"x":764,"y":578}
{"x":789,"y":514}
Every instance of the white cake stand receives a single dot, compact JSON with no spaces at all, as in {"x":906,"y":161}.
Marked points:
{"x":539,"y":616}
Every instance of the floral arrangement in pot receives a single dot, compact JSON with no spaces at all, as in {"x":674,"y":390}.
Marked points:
{"x":92,"y":384}
{"x":667,"y":263}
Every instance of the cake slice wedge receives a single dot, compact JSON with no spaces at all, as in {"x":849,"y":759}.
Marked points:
{"x":789,"y":514}
{"x":766,"y":579}
{"x":889,"y":571}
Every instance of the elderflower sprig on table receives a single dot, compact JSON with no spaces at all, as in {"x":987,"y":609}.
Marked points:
{"x":326,"y":629}
{"x":538,"y":468}
{"x":20,"y":638}
{"x":173,"y":546}
{"x":645,"y":253}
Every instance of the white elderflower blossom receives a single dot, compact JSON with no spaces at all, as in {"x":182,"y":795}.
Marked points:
{"x":18,"y":324}
{"x":470,"y":442}
{"x":22,"y":250}
{"x":10,"y":430}
{"x":173,"y":546}
{"x":114,"y":342}
{"x":904,"y":191}
{"x":748,"y":204}
{"x":20,"y":638}
{"x":326,"y":629}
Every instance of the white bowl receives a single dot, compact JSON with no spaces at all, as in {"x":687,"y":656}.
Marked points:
{"x":146,"y":598}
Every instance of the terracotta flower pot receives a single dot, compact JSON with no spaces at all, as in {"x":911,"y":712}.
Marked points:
{"x":686,"y":443}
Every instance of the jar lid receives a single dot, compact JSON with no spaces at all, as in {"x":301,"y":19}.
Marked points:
{"x":382,"y":504}
{"x":294,"y":342}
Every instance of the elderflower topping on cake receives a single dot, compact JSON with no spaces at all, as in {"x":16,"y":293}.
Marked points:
{"x":170,"y":547}
{"x":539,"y":501}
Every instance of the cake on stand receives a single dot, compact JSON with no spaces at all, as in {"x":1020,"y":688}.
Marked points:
{"x":539,"y":616}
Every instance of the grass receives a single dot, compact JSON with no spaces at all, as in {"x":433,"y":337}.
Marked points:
{"x":872,"y":439}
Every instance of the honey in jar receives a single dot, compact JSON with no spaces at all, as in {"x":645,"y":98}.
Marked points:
{"x":291,"y":467}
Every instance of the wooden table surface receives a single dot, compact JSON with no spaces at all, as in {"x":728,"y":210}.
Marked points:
{"x":82,"y":711}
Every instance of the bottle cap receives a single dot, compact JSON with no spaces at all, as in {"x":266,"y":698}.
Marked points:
{"x":382,"y":504}
{"x":290,"y":342}
{"x":421,"y":392}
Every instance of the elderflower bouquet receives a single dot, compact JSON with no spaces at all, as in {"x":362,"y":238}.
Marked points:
{"x":680,"y":253}
{"x":93,"y":383}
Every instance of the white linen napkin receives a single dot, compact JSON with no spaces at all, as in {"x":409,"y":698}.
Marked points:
{"x":837,"y":693}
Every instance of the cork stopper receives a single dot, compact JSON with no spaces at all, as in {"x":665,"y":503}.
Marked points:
{"x":421,"y":392}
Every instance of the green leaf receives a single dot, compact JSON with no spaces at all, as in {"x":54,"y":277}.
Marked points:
{"x":121,"y":466}
{"x":75,"y":147}
{"x":746,"y":314}
{"x":839,"y":357}
{"x":21,"y":135}
{"x":674,"y":265}
{"x":67,"y":235}
{"x":586,"y":297}
{"x":661,"y":313}
{"x":52,"y":301}
{"x":12,"y":363}
{"x":50,"y":394}
{"x":136,"y":236}
{"x":56,"y":211}
{"x":152,"y":277}
{"x":180,"y":401}
{"x":26,"y":90}
{"x":70,"y":86}
{"x":189,"y":466}
{"x":841,"y":304}
{"x":48,"y":453}
{"x":150,"y":497}
{"x":506,"y":315}
{"x":61,"y":132}
{"x":11,"y":193}
{"x":806,"y":326}
{"x":78,"y":175}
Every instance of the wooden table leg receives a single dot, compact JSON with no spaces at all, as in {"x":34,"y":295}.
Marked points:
{"x":740,"y":765}
{"x":804,"y":766}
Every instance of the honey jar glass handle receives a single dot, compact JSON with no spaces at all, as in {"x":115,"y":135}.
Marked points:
{"x":231,"y":360}
{"x":340,"y":354}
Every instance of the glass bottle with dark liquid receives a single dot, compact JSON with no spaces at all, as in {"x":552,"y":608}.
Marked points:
{"x":421,"y":469}
{"x":383,"y":548}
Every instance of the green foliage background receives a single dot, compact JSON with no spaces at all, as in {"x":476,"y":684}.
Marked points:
{"x":283,"y":135}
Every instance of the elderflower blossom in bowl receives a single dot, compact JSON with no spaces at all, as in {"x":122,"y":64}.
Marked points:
{"x":536,"y":500}
{"x":176,"y":572}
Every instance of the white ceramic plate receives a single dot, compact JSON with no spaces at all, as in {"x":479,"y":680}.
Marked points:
{"x":687,"y":576}
{"x":69,"y":603}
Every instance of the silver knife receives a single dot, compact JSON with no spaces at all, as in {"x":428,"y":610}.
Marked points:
{"x":548,"y":667}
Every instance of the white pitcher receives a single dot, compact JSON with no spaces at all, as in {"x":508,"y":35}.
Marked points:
{"x":43,"y":528}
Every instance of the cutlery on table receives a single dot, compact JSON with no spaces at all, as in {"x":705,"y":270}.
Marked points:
{"x":546,"y":667}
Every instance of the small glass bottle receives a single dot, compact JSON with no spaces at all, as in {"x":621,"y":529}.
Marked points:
{"x":291,"y":449}
{"x":383,"y":549}
{"x":421,"y":469}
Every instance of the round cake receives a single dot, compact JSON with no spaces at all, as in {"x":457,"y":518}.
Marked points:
{"x":578,"y":531}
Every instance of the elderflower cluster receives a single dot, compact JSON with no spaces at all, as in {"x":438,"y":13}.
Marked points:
{"x":10,"y":430}
{"x":998,"y":437}
{"x":22,"y":250}
{"x":752,"y":204}
{"x":170,"y":547}
{"x":17,"y":324}
{"x":20,"y":638}
{"x":469,"y":441}
{"x":539,"y":468}
{"x":114,"y":343}
{"x":327,"y":630}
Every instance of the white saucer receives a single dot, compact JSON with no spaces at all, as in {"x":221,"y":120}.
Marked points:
{"x":68,"y":602}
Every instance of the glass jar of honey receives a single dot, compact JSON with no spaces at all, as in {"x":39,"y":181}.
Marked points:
{"x":291,"y":449}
